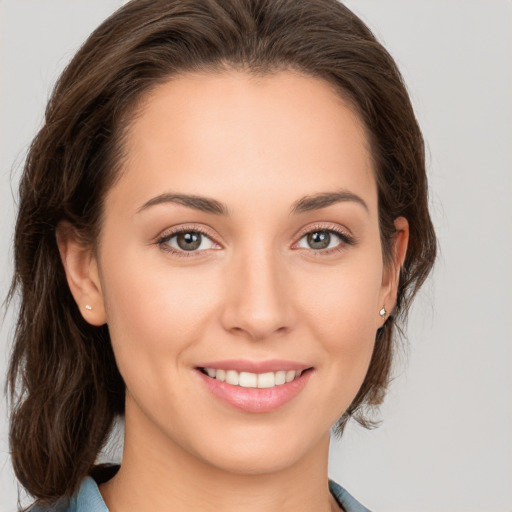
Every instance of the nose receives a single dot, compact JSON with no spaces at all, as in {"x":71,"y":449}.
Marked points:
{"x":258,"y":303}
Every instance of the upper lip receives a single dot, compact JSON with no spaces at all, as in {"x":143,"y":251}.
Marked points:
{"x":246,"y":365}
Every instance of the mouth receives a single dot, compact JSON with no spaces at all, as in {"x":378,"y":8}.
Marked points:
{"x":253,"y":380}
{"x":254,"y":392}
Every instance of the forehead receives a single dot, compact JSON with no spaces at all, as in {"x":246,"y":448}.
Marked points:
{"x":277,"y":135}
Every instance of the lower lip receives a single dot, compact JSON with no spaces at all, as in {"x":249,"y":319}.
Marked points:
{"x":256,"y":399}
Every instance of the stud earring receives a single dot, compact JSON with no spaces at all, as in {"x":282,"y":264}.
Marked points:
{"x":383,"y":312}
{"x":88,"y":307}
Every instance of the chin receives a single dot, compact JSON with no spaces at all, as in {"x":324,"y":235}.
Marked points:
{"x":251,"y":450}
{"x":261,"y":461}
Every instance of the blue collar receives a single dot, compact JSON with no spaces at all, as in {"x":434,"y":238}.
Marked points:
{"x":88,"y":499}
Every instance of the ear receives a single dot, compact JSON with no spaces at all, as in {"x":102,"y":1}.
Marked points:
{"x":391,"y":273}
{"x":82,"y":273}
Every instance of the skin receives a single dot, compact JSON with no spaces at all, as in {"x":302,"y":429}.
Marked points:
{"x":255,"y":289}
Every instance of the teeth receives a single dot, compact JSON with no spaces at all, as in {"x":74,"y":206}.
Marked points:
{"x":232,"y":377}
{"x":290,"y":375}
{"x":280,"y":377}
{"x":253,"y":380}
{"x":266,"y":380}
{"x":248,"y":380}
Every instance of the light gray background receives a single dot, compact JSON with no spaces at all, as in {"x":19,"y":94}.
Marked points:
{"x":446,"y":440}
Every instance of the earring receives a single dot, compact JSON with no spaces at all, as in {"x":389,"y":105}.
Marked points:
{"x":88,"y":307}
{"x":383,"y":312}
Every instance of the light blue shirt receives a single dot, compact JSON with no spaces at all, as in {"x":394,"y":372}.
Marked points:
{"x":88,"y":499}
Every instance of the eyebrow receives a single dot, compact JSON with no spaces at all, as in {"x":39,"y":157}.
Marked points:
{"x":324,"y":199}
{"x":209,"y":205}
{"x":204,"y":204}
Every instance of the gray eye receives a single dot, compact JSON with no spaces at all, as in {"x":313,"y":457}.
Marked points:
{"x":189,"y":240}
{"x":319,"y":239}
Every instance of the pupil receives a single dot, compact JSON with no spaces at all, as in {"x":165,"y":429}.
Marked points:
{"x":319,"y":239}
{"x":189,"y":241}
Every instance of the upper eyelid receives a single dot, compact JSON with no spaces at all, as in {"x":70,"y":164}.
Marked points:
{"x":325,"y":227}
{"x":168,"y":233}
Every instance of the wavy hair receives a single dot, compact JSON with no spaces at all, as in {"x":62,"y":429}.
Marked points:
{"x":64,"y":385}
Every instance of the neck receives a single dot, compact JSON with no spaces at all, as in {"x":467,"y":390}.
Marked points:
{"x":157,"y":474}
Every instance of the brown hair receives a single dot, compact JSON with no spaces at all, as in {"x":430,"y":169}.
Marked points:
{"x":63,"y":381}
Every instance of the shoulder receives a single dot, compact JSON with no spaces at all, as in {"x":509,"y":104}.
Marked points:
{"x":345,"y":500}
{"x":86,"y":499}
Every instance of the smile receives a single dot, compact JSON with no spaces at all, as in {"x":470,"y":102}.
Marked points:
{"x":269,"y":386}
{"x":253,"y":380}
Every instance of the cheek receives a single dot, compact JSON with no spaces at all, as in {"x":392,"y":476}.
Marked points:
{"x":154,"y":314}
{"x":342,"y":316}
{"x":345,"y":306}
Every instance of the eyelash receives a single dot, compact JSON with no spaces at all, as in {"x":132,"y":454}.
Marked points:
{"x":346,"y":240}
{"x":162,"y":241}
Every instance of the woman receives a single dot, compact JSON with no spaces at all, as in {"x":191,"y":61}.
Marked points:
{"x":221,"y":222}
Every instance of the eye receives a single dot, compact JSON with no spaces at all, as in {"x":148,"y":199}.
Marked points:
{"x":186,"y":242}
{"x":325,"y":240}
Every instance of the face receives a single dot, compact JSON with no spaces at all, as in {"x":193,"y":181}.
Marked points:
{"x":241,"y":241}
